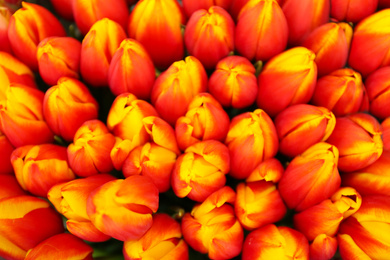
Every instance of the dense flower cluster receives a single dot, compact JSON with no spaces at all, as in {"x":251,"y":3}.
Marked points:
{"x":221,"y":129}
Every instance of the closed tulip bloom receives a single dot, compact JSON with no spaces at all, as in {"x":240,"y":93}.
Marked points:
{"x":341,"y":91}
{"x":204,"y":120}
{"x":352,"y":11}
{"x":64,"y":8}
{"x":40,"y":167}
{"x":323,"y":247}
{"x":89,"y":154}
{"x":261,"y":31}
{"x":58,"y":57}
{"x":236,"y":7}
{"x":370,"y":44}
{"x":287,"y":79}
{"x":212,"y":27}
{"x":97,"y":49}
{"x":358,"y":139}
{"x":9,"y":186}
{"x":212,"y":228}
{"x":386,"y":133}
{"x":268,"y":170}
{"x":6,"y":150}
{"x":27,"y":27}
{"x":201,"y":170}
{"x":315,"y":177}
{"x":272,"y":242}
{"x":378,"y":90}
{"x":131,"y":70}
{"x":23,"y":107}
{"x":191,"y":6}
{"x":251,"y":139}
{"x":326,"y":40}
{"x":233,"y":83}
{"x":5,"y":16}
{"x":120,"y":152}
{"x":123,"y":209}
{"x":25,"y":221}
{"x":162,"y":241}
{"x":67,"y":106}
{"x":301,"y":126}
{"x":177,"y":86}
{"x":65,"y":246}
{"x":86,"y":13}
{"x":156,"y":24}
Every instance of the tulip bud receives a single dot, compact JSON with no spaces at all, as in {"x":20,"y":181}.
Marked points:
{"x":201,"y":170}
{"x":358,"y":139}
{"x":352,"y":11}
{"x":164,"y":234}
{"x":315,"y":177}
{"x":97,"y":49}
{"x":27,"y":27}
{"x":212,"y":27}
{"x":275,"y":243}
{"x":158,"y":30}
{"x":233,"y":83}
{"x":123,"y":209}
{"x":251,"y":139}
{"x":212,"y":228}
{"x":23,"y":107}
{"x":5,"y":16}
{"x":342,"y":92}
{"x":131,"y":70}
{"x":386,"y":133}
{"x":177,"y":86}
{"x":323,"y":247}
{"x":236,"y":7}
{"x":86,"y":13}
{"x":268,"y":170}
{"x":58,"y":57}
{"x":61,"y":246}
{"x":9,"y":187}
{"x":6,"y":150}
{"x":261,"y":31}
{"x":326,"y":40}
{"x":301,"y":126}
{"x":64,"y":8}
{"x":67,"y":106}
{"x":378,"y":90}
{"x":190,"y":6}
{"x":287,"y":79}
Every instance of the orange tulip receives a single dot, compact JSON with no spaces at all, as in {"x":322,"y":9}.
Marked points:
{"x":67,"y":106}
{"x":64,"y":8}
{"x":6,"y":150}
{"x":211,"y":227}
{"x":251,"y":139}
{"x":268,"y":170}
{"x":58,"y":57}
{"x":190,"y":6}
{"x":315,"y":177}
{"x":123,"y":209}
{"x":5,"y":16}
{"x":177,"y":86}
{"x":236,"y":7}
{"x":9,"y":187}
{"x":352,"y":11}
{"x":323,"y":247}
{"x":378,"y":90}
{"x":162,"y":241}
{"x":386,"y":133}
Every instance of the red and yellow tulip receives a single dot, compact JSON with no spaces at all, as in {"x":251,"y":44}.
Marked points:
{"x":268,"y":170}
{"x":190,"y":6}
{"x":378,"y":91}
{"x":352,"y":11}
{"x":323,"y":247}
{"x":6,"y":150}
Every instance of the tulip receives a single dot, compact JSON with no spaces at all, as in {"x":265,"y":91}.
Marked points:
{"x":261,"y":31}
{"x":97,"y":49}
{"x":323,"y":247}
{"x":86,"y":13}
{"x":352,"y":11}
{"x":9,"y":187}
{"x":25,"y":221}
{"x":272,"y":242}
{"x":378,"y":90}
{"x":5,"y":16}
{"x":162,"y":241}
{"x":204,"y":120}
{"x":301,"y":126}
{"x":63,"y":8}
{"x":156,"y":24}
{"x":123,"y":209}
{"x":89,"y":154}
{"x":58,"y":57}
{"x":268,"y":170}
{"x":233,"y":83}
{"x":326,"y":40}
{"x":212,"y":27}
{"x":6,"y":150}
{"x":303,"y":17}
{"x":67,"y":106}
{"x":258,"y":204}
{"x":131,"y":70}
{"x":287,"y":79}
{"x":65,"y":246}
{"x":201,"y":170}
{"x":251,"y":139}
{"x":370,"y":43}
{"x":120,"y":152}
{"x":364,"y":235}
{"x":23,"y":107}
{"x":27,"y":27}
{"x":212,"y":228}
{"x":383,"y":4}
{"x":190,"y":6}
{"x":70,"y":199}
{"x":40,"y":167}
{"x":177,"y":86}
{"x":342,"y":92}
{"x":315,"y":177}
{"x":386,"y":133}
{"x":358,"y":139}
